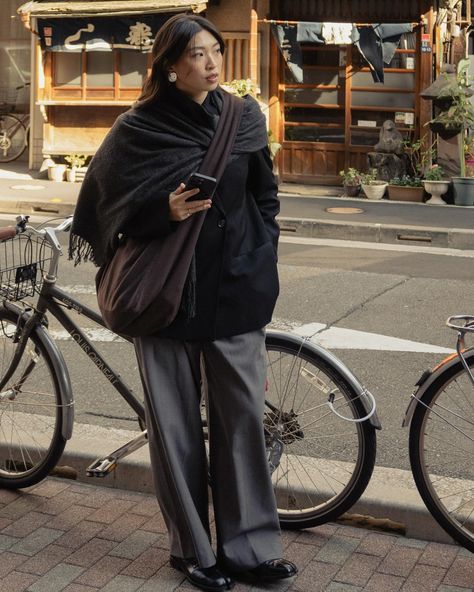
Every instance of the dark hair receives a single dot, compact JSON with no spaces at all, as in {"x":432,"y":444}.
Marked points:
{"x":170,"y":43}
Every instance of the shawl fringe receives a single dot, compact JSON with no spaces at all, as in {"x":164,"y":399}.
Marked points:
{"x":80,"y":250}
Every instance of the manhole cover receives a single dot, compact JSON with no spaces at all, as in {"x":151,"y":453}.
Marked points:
{"x":28,"y":187}
{"x":344,"y":210}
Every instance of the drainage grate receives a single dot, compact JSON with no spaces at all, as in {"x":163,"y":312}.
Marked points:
{"x":342,"y":210}
{"x":414,"y":238}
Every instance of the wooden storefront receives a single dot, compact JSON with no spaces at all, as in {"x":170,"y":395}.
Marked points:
{"x":82,"y":83}
{"x":332,"y":119}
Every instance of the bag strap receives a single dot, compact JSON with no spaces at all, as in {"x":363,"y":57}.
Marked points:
{"x":222,"y":143}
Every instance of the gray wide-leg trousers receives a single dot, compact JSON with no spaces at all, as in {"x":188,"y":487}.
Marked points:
{"x":247,"y":525}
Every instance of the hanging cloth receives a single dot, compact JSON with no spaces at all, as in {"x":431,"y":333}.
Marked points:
{"x":337,"y":33}
{"x":286,"y":38}
{"x":377,"y":44}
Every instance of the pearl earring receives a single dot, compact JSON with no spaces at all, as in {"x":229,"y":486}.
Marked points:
{"x":172,"y":76}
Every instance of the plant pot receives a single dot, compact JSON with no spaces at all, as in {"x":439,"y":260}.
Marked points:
{"x":351,"y":190}
{"x":436,"y":189}
{"x":71,"y":174}
{"x":444,"y":132}
{"x":56,"y":172}
{"x":405,"y":193}
{"x":375,"y":191}
{"x":463,"y":191}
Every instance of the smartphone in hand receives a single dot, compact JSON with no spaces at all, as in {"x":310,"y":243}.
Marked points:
{"x":206,"y":185}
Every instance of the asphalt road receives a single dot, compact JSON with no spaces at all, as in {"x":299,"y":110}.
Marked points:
{"x":393,"y":292}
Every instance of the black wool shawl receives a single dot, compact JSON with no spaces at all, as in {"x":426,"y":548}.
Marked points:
{"x":148,"y":150}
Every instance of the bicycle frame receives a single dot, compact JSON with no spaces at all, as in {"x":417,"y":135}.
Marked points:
{"x":48,"y":301}
{"x":429,"y":376}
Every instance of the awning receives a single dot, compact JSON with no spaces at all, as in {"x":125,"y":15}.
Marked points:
{"x":81,"y":8}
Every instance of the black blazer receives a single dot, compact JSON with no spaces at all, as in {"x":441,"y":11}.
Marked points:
{"x":236,"y":253}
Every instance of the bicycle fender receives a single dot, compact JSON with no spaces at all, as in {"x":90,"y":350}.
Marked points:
{"x":338,"y":365}
{"x":60,"y":369}
{"x":427,"y":379}
{"x":65,"y":387}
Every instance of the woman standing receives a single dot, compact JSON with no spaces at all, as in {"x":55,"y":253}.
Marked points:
{"x":135,"y":186}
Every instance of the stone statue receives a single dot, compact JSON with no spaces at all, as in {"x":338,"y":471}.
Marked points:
{"x":390,"y":140}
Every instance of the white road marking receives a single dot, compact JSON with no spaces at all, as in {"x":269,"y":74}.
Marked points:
{"x":326,"y":242}
{"x":332,"y":338}
{"x":340,"y":338}
{"x":97,"y":335}
{"x":78,"y":289}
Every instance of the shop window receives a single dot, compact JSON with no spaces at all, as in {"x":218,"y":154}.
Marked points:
{"x":314,"y":109}
{"x":132,"y":68}
{"x":68,"y":69}
{"x":95,"y":75}
{"x":100,"y":68}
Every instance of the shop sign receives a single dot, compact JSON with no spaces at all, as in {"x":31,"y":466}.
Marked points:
{"x":101,"y":33}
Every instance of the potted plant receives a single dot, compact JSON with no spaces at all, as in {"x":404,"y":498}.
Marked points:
{"x":373,"y":187}
{"x":460,"y":116}
{"x":273,"y":145}
{"x":406,"y":188}
{"x":469,"y":156}
{"x":409,"y":187}
{"x":56,"y":172}
{"x":351,"y":179}
{"x":75,"y":161}
{"x":435,"y":184}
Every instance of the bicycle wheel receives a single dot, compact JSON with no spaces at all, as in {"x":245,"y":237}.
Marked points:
{"x":12,"y":138}
{"x":31,"y":441}
{"x":442,"y":451}
{"x":320,"y":463}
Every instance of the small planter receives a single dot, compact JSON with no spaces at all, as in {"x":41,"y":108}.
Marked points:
{"x":436,"y":189}
{"x":71,"y":175}
{"x":56,"y":172}
{"x":463,"y":191}
{"x":444,"y":132}
{"x":351,"y":190}
{"x":405,"y":193}
{"x":376,"y":190}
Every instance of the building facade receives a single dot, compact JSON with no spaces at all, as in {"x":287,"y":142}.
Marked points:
{"x":316,"y":65}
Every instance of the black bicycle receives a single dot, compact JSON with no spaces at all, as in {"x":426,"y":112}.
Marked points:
{"x":14,"y":127}
{"x":319,"y":421}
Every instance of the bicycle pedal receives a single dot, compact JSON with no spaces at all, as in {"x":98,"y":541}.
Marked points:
{"x":101,"y":467}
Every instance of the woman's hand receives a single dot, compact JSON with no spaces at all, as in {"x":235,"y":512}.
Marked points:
{"x":180,"y":209}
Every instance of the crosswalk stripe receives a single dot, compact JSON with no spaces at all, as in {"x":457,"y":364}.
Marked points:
{"x":332,"y":338}
{"x":341,"y":338}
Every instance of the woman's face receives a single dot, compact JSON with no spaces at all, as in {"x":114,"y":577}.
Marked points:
{"x":199,"y":67}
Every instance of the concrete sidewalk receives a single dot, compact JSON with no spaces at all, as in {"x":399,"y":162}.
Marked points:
{"x":63,"y":535}
{"x":309,"y":211}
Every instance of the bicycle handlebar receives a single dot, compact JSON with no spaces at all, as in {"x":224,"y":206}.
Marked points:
{"x":47,"y":233}
{"x":455,"y":321}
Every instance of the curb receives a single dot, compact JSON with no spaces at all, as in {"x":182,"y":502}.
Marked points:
{"x":391,"y":496}
{"x":453,"y":238}
{"x":12,"y":206}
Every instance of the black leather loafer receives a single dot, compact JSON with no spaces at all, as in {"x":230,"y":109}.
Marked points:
{"x":206,"y":578}
{"x":274,"y":569}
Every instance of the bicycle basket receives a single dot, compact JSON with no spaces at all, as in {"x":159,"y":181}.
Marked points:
{"x":8,"y":98}
{"x":22,"y":262}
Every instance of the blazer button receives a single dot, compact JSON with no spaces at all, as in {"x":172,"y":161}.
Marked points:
{"x":221,"y":223}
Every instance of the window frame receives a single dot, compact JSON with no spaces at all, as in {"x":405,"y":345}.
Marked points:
{"x":81,"y":92}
